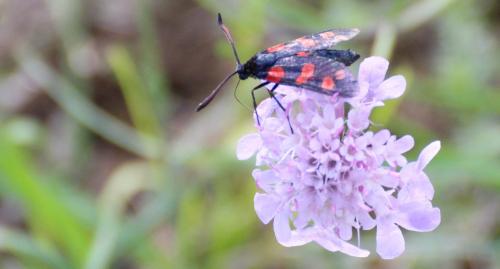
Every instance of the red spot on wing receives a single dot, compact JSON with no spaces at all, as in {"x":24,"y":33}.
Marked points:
{"x":328,"y":83}
{"x":302,"y":53}
{"x":306,"y":73}
{"x":306,"y":42}
{"x":277,"y":47}
{"x":275,"y":74}
{"x":340,"y":75}
{"x":328,"y":35}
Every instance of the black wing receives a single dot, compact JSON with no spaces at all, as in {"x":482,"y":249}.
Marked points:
{"x":346,"y":57}
{"x":322,"y":40}
{"x":312,"y":72}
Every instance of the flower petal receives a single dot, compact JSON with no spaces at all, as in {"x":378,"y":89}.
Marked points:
{"x":333,"y":244}
{"x":247,"y":146}
{"x":358,"y":118}
{"x":366,"y":221}
{"x":427,"y":154}
{"x":396,"y":148}
{"x":381,"y":137}
{"x":391,"y":88}
{"x":345,"y":231}
{"x":418,"y":188}
{"x":265,"y":180}
{"x":372,"y":70}
{"x":390,"y":241}
{"x":419,"y":217}
{"x":266,"y":206}
{"x":298,"y":238}
{"x":265,"y":108}
{"x":363,"y":88}
{"x":387,"y":178}
{"x":403,"y":144}
{"x":282,"y":227}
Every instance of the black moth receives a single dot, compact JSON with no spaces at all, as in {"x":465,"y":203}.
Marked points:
{"x":307,"y":62}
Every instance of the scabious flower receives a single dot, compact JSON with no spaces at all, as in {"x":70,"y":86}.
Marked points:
{"x":332,"y":176}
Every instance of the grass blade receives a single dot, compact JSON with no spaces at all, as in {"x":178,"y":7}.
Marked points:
{"x":86,"y":113}
{"x":136,"y":96}
{"x":22,"y":245}
{"x":126,"y":181}
{"x":45,"y":211}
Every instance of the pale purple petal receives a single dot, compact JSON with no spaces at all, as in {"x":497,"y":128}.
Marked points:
{"x":338,"y":126}
{"x":390,"y":241}
{"x":381,"y":137}
{"x":427,"y":154}
{"x":266,"y":180}
{"x":265,"y":109}
{"x":391,"y":88}
{"x":403,"y":144}
{"x":333,"y":244}
{"x":387,"y":178}
{"x":345,"y":231}
{"x":424,"y":186}
{"x":247,"y":146}
{"x":282,"y":227}
{"x":419,"y":217}
{"x":266,"y":206}
{"x":364,"y":86}
{"x":272,"y":124}
{"x":396,"y":148}
{"x":358,"y":119}
{"x":372,"y":70}
{"x":304,"y":204}
{"x":409,"y":171}
{"x":298,"y":239}
{"x":324,"y":134}
{"x":418,"y":187}
{"x":329,"y":112}
{"x":366,"y":221}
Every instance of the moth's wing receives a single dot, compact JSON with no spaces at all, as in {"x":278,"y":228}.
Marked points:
{"x":315,"y":73}
{"x":321,"y":40}
{"x":347,"y":57}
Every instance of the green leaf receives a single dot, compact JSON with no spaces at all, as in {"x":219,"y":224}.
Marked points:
{"x":23,"y":246}
{"x":126,"y":181}
{"x":86,"y":113}
{"x":136,"y":96}
{"x":45,"y":211}
{"x":154,"y":76}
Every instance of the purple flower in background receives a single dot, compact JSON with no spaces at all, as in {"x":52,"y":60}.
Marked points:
{"x":332,"y":176}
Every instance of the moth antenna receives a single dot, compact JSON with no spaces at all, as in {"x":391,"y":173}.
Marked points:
{"x":212,"y":95}
{"x":228,"y":37}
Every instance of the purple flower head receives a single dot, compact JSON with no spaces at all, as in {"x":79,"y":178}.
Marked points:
{"x":332,"y":177}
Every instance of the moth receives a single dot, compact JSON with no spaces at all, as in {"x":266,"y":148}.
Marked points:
{"x":308,"y":62}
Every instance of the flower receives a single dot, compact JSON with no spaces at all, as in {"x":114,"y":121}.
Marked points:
{"x":332,"y":175}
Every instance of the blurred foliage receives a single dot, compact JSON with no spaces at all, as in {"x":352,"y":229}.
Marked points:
{"x":104,"y":164}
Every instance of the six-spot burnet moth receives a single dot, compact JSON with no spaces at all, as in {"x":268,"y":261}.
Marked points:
{"x":307,"y":62}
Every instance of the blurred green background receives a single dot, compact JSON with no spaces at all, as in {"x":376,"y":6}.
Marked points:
{"x":105,"y":164}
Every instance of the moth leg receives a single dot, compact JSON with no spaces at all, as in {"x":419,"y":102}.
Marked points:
{"x":271,"y":93}
{"x":254,"y":101}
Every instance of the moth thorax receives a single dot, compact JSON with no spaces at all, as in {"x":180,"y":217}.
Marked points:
{"x":263,"y":60}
